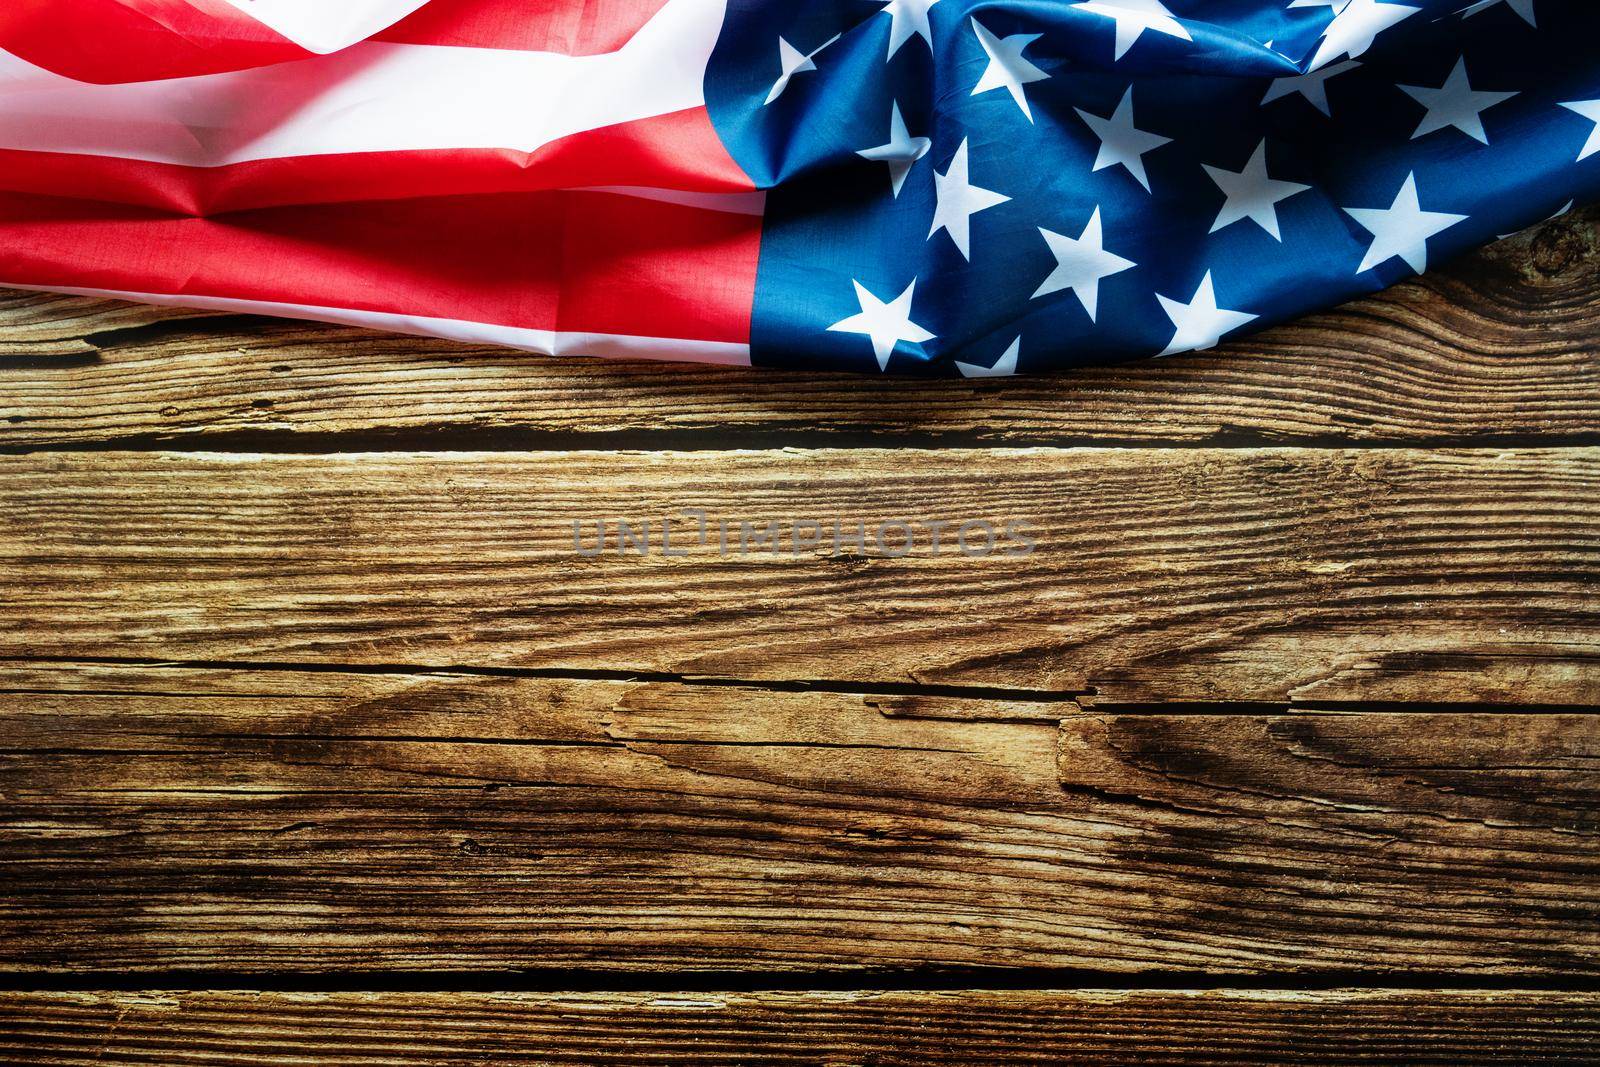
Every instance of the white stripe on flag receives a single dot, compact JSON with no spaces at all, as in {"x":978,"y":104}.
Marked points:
{"x":371,"y":97}
{"x":542,"y":342}
{"x":326,"y":25}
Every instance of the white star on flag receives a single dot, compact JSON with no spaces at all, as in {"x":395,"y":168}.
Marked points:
{"x":1252,"y":194}
{"x":1122,"y":143}
{"x":1523,"y":8}
{"x":1005,"y":365}
{"x":792,"y":61}
{"x":900,"y":152}
{"x":1312,"y":86}
{"x":1007,"y":69}
{"x":907,"y":19}
{"x":1200,"y":323}
{"x":958,"y":200}
{"x":1455,"y":103}
{"x":886,"y":323}
{"x":1133,"y":17}
{"x":1401,"y":229}
{"x":1355,"y":26}
{"x":1589,"y":109}
{"x":1081,"y":263}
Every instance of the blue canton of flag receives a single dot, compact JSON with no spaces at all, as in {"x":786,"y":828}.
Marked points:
{"x":983,"y":188}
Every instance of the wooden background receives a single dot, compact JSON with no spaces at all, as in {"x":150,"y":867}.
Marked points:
{"x":319,"y":744}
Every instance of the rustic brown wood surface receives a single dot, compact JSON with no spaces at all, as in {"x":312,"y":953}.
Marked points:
{"x":1157,"y":574}
{"x":249,"y":820}
{"x":1295,"y":705}
{"x":961,"y":1027}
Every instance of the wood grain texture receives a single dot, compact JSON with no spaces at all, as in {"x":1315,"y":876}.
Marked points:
{"x":1502,"y":345}
{"x":171,"y":819}
{"x":967,"y":1027}
{"x":1247,"y":712}
{"x":1170,"y":575}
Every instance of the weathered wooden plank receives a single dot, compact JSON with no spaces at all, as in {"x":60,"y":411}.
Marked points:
{"x":1157,"y":574}
{"x":1503,"y":344}
{"x":36,"y":328}
{"x":169,"y":818}
{"x":971,"y":1027}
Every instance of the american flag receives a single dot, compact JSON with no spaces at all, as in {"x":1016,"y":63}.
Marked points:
{"x":959,"y":187}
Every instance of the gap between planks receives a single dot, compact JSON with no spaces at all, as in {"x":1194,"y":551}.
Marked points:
{"x":1045,"y":704}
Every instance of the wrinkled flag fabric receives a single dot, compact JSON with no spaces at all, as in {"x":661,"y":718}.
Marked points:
{"x":956,"y":187}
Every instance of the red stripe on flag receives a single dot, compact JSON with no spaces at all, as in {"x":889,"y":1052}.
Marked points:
{"x":109,"y":41}
{"x":116,"y":41}
{"x":566,"y":261}
{"x":680,"y":151}
{"x":575,"y":27}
